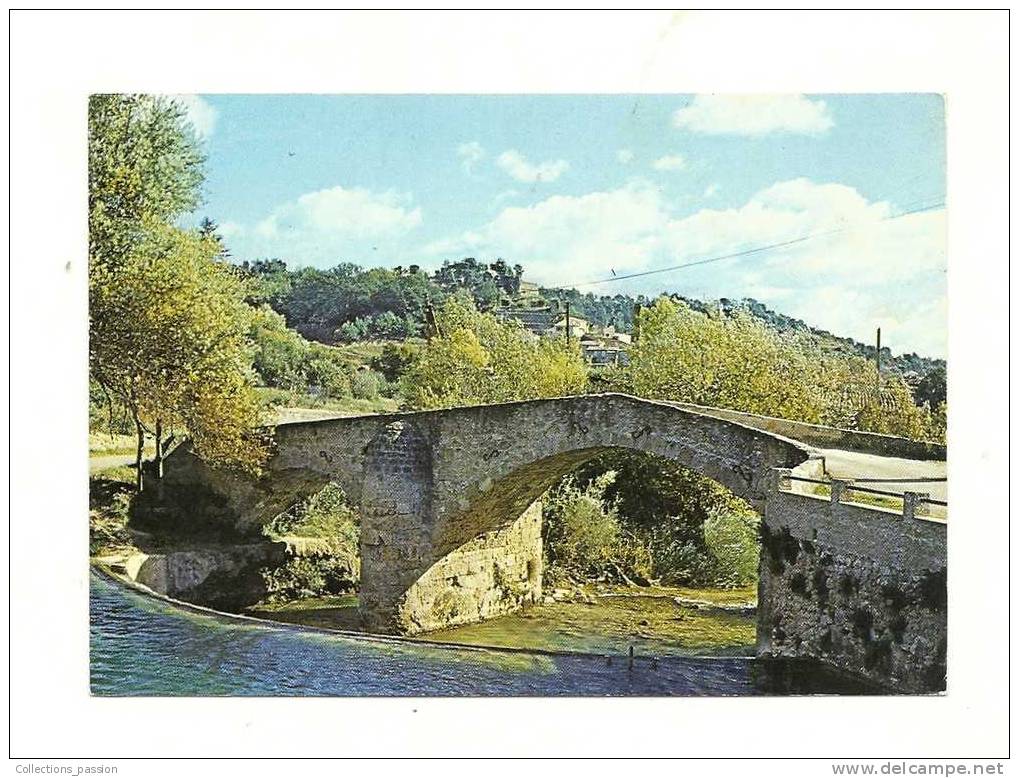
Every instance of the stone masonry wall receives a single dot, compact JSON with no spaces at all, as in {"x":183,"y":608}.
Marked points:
{"x":496,"y":573}
{"x":859,"y":588}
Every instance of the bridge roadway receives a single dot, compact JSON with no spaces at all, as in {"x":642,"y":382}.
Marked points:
{"x":854,"y":465}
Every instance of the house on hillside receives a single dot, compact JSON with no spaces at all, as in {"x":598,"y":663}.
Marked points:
{"x":600,"y":351}
{"x":539,"y":321}
{"x":578,"y":326}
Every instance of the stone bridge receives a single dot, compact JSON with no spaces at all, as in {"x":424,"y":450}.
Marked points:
{"x":449,"y":500}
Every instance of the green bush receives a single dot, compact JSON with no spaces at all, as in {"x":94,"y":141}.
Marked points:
{"x":367,"y":385}
{"x":732,"y":539}
{"x":329,"y":376}
{"x":581,"y":531}
{"x":395,"y":360}
{"x":583,"y":536}
{"x":324,"y":515}
{"x":304,"y":577}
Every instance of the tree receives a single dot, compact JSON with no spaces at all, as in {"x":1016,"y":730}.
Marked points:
{"x":933,"y":388}
{"x":729,"y":359}
{"x":209,"y":229}
{"x":470,"y":275}
{"x":167,"y":321}
{"x":478,"y":359}
{"x":729,"y":362}
{"x":169,"y":338}
{"x":144,"y":164}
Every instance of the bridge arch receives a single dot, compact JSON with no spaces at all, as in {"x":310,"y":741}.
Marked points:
{"x":462,"y":484}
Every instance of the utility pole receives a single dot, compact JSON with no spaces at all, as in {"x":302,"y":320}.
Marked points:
{"x":431,"y":324}
{"x":877,"y":358}
{"x":567,"y":322}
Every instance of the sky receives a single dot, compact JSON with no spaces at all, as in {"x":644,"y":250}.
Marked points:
{"x":585,"y":188}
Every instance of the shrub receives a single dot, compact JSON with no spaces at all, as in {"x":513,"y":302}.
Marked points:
{"x":367,"y":385}
{"x":732,"y":538}
{"x":303,"y":577}
{"x":395,"y":360}
{"x":582,"y":532}
{"x":329,"y":376}
{"x":324,"y":515}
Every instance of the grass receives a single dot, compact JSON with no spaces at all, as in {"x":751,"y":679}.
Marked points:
{"x":104,"y":444}
{"x":656,"y":626}
{"x":330,"y":612}
{"x":287,"y":402}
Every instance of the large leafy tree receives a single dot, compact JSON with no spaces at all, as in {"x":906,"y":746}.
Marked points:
{"x":730,"y":362}
{"x":171,"y":342}
{"x":477,"y":359}
{"x":167,"y":319}
{"x":144,"y":165}
{"x":735,"y":361}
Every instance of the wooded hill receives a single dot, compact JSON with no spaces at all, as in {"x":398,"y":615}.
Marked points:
{"x":348,"y":303}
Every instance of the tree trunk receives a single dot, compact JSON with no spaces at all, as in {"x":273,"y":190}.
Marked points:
{"x":139,"y":477}
{"x":159,"y":448}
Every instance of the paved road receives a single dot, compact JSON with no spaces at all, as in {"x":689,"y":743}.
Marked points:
{"x":850,"y":464}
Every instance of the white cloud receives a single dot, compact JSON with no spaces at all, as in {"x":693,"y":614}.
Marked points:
{"x":754,"y":115}
{"x":328,"y":226}
{"x":517,"y":166}
{"x":230,"y":229}
{"x":669,"y":162}
{"x":200,"y":113}
{"x":625,"y":156}
{"x":352,"y":212}
{"x":710,"y":191}
{"x":861,"y":271}
{"x":470,"y":155}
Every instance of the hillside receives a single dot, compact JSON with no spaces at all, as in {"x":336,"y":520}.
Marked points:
{"x":348,"y":304}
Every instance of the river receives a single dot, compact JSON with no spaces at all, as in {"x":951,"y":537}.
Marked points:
{"x":143,"y":646}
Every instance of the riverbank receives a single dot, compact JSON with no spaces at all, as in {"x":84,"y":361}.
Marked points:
{"x":656,"y":621}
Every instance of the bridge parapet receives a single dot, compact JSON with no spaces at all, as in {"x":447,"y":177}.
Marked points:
{"x":860,"y":587}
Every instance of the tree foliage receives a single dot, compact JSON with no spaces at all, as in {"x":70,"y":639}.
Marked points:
{"x":144,"y":166}
{"x":169,"y":337}
{"x":348,"y":303}
{"x":285,"y":360}
{"x":736,"y":361}
{"x":168,"y":321}
{"x":477,"y":359}
{"x":694,"y":531}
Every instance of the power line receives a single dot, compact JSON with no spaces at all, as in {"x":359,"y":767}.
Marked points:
{"x":748,"y":252}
